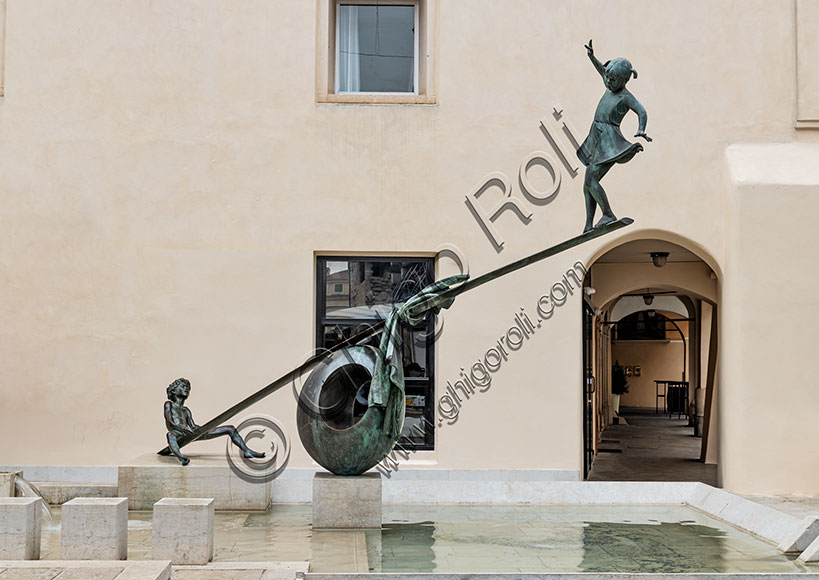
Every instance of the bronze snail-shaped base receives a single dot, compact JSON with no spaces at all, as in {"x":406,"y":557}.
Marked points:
{"x":336,"y":426}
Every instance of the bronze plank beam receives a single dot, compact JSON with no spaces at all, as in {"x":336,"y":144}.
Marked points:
{"x":421,"y":307}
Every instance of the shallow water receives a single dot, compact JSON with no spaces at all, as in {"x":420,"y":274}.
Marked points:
{"x":459,"y":539}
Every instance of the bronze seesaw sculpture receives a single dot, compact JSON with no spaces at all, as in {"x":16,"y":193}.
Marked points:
{"x":351,"y":409}
{"x":349,"y":440}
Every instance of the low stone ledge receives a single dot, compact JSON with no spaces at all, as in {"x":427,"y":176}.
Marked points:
{"x":95,"y":529}
{"x":767,"y":523}
{"x":60,"y":492}
{"x":152,"y":477}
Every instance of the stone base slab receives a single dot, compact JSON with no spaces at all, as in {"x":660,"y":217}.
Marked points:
{"x":241,"y":570}
{"x":346,"y":501}
{"x":152,"y":477}
{"x":55,"y":569}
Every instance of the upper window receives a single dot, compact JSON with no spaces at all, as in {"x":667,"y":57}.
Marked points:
{"x":376,"y":51}
{"x":376,"y":48}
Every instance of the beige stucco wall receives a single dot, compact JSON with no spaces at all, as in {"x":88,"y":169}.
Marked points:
{"x":768,"y":397}
{"x":168,"y":177}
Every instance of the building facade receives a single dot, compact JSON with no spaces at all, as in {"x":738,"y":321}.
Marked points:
{"x":182,"y":181}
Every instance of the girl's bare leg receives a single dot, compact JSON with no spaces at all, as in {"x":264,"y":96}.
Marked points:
{"x":593,"y":189}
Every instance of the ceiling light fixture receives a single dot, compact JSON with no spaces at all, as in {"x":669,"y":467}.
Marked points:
{"x":659,"y":258}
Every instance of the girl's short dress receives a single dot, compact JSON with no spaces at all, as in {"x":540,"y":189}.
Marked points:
{"x":605,"y":143}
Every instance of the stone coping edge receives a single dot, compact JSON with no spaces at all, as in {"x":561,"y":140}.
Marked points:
{"x":762,"y":521}
{"x":560,"y":576}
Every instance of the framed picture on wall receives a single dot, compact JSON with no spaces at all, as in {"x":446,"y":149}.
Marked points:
{"x":638,"y":370}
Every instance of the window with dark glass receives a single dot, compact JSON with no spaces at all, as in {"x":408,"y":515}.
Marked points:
{"x":376,"y":48}
{"x":356,"y":292}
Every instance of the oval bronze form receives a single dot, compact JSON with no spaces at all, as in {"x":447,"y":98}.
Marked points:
{"x":336,"y":426}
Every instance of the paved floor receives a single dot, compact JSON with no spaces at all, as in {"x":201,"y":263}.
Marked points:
{"x":651,"y":447}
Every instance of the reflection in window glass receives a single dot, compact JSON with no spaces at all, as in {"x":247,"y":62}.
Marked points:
{"x":371,"y":289}
{"x":337,"y":278}
{"x":413,"y":354}
{"x":376,"y":49}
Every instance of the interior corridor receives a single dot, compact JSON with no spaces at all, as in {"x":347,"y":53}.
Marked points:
{"x":650,"y":447}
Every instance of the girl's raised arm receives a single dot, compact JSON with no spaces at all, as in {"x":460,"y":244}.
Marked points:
{"x":597,"y":64}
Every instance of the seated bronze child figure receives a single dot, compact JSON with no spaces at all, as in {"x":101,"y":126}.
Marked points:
{"x":179,"y":421}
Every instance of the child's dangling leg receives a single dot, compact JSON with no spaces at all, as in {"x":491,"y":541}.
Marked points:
{"x":231,"y":432}
{"x":174,"y":445}
{"x":592,"y":187}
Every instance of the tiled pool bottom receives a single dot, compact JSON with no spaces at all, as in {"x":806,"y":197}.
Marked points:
{"x":491,"y":539}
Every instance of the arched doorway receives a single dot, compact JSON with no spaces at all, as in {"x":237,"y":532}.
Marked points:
{"x":651,"y":306}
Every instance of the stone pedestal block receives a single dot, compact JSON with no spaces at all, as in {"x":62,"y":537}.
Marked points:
{"x":183,"y":530}
{"x":152,"y":477}
{"x":347,"y":501}
{"x":20,"y":528}
{"x":95,"y":528}
{"x":7,"y":488}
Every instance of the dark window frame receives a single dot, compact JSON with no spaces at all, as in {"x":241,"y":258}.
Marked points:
{"x":414,"y":385}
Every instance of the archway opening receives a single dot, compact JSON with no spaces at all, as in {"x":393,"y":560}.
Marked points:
{"x":650,"y":363}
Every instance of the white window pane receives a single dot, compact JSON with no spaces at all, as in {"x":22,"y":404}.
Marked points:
{"x":376,"y":49}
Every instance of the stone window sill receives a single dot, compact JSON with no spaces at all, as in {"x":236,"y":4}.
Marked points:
{"x":374,"y":99}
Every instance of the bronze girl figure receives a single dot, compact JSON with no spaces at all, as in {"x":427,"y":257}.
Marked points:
{"x":605,"y":144}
